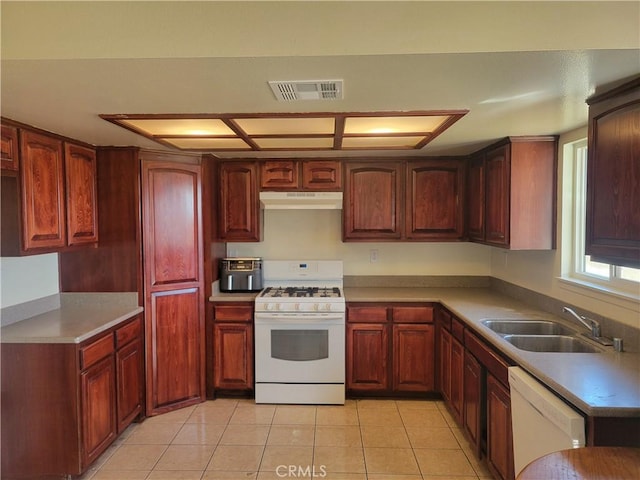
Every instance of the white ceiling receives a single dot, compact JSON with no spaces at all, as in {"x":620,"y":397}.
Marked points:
{"x":520,"y":68}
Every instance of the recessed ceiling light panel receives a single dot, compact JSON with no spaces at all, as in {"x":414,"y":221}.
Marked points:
{"x":291,"y":131}
{"x":292,"y":90}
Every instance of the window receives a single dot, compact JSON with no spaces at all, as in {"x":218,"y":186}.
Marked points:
{"x":614,"y":277}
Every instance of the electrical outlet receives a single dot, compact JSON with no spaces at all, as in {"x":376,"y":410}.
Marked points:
{"x":373,"y":255}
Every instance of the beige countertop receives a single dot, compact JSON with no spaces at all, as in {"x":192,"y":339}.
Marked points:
{"x":599,"y":384}
{"x":80,"y":317}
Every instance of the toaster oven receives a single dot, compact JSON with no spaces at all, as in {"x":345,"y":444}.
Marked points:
{"x":241,"y":274}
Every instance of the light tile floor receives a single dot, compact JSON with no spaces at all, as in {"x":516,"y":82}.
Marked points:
{"x":237,"y":439}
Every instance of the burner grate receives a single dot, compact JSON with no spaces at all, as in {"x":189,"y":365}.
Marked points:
{"x":302,"y":292}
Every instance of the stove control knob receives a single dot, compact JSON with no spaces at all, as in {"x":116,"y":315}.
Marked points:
{"x":268,"y":306}
{"x":278,"y":306}
{"x":316,"y":307}
{"x":297,"y":307}
{"x":327,"y":306}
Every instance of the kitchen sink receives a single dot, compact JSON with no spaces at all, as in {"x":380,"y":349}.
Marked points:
{"x":527,"y":327}
{"x":551,"y":343}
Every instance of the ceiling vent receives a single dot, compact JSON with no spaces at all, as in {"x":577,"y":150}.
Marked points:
{"x":289,"y":91}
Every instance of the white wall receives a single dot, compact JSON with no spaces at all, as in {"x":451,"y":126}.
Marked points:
{"x":316,"y":234}
{"x":23,"y":279}
{"x":541,"y":271}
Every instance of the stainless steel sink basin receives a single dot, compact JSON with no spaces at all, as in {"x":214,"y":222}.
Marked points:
{"x":527,"y":327}
{"x":551,"y":343}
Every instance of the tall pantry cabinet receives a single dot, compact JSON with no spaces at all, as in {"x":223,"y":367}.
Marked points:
{"x":152,"y":242}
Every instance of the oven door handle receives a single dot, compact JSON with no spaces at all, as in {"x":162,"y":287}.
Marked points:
{"x":298,"y":318}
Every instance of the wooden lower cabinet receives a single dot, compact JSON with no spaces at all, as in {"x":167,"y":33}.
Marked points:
{"x":450,"y":365}
{"x":233,"y":347}
{"x":413,"y":359}
{"x":63,"y":404}
{"x":232,"y":356}
{"x":98,"y":407}
{"x":173,"y":350}
{"x":130,"y":376}
{"x":474,"y":384}
{"x":473,"y":401}
{"x":390,"y":349}
{"x":367,"y":357}
{"x":457,"y":373}
{"x":444,"y":363}
{"x":499,"y":435}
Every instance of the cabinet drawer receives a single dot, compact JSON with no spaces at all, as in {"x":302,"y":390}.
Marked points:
{"x":412,"y":314}
{"x":457,"y":329}
{"x":95,"y":351}
{"x":128,"y":333}
{"x":369,"y":314}
{"x":487,"y":357}
{"x":233,"y":313}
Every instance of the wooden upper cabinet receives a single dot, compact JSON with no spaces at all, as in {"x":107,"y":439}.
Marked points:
{"x":43,"y":197}
{"x":512,"y":194}
{"x":497,"y":199}
{"x":239,"y":218}
{"x":9,"y":148}
{"x":49,"y":193}
{"x":373,"y":201}
{"x":82,"y":194}
{"x":322,"y":175}
{"x":613,"y":176}
{"x":313,"y":175}
{"x":435,"y":199}
{"x":475,"y":198}
{"x":279,"y":174}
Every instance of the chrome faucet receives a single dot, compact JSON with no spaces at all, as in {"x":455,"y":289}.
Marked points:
{"x":590,"y":323}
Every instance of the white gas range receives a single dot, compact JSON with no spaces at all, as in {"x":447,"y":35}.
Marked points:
{"x":300,"y":333}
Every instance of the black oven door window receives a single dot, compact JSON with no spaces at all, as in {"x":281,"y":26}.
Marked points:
{"x":300,"y":345}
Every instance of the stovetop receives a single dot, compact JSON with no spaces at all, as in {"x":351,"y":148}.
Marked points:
{"x":301,"y":292}
{"x":310,"y":286}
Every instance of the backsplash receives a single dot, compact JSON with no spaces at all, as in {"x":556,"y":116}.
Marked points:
{"x":417,"y":281}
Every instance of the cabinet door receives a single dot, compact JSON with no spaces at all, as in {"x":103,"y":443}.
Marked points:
{"x":413,"y":358}
{"x":613,"y":180}
{"x":233,"y":354}
{"x":321,"y":175}
{"x":174,"y":291}
{"x":174,"y":360}
{"x":372,"y":206}
{"x":98,"y":409}
{"x":473,"y":405}
{"x":476,"y":198}
{"x":43,"y":204}
{"x":435,"y":200}
{"x":129,"y":362}
{"x":239,"y":207}
{"x":497,"y":196}
{"x":9,"y":148}
{"x":367,"y":357}
{"x":444,"y":363}
{"x":82,"y":194}
{"x":279,"y":175}
{"x":499,"y":437}
{"x":457,"y":375}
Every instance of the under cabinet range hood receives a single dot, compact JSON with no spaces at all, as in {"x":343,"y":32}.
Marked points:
{"x":301,"y":200}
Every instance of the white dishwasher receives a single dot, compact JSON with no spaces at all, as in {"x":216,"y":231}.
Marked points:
{"x":541,"y":422}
